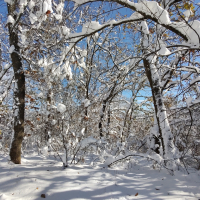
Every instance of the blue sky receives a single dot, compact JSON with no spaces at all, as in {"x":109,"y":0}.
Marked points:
{"x":3,"y":8}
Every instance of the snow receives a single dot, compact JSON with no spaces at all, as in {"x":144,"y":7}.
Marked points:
{"x":83,"y":131}
{"x":67,"y":70}
{"x":60,"y":7}
{"x":54,"y":107}
{"x":191,"y":33}
{"x":86,"y":103}
{"x":45,"y":7}
{"x":44,"y":175}
{"x":58,"y":16}
{"x":94,"y":26}
{"x":61,"y":108}
{"x":187,"y":14}
{"x":189,"y":101}
{"x":164,"y":51}
{"x":153,"y":9}
{"x":40,"y":95}
{"x":196,"y":100}
{"x":190,"y":69}
{"x":22,"y":4}
{"x":33,"y":18}
{"x":64,"y":159}
{"x":87,"y":141}
{"x":90,"y":27}
{"x":45,"y":151}
{"x":83,"y":53}
{"x":66,"y":30}
{"x":195,"y":80}
{"x":12,"y":48}
{"x":157,"y":157}
{"x":53,"y":122}
{"x":31,"y":4}
{"x":144,"y":26}
{"x":23,"y":39}
{"x":6,"y":66}
{"x":136,"y":15}
{"x":8,"y":1}
{"x":10,"y":20}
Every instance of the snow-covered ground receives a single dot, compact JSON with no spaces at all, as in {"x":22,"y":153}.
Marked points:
{"x":38,"y":175}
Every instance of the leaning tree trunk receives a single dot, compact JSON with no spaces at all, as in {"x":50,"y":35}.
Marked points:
{"x":164,"y":135}
{"x":19,"y":91}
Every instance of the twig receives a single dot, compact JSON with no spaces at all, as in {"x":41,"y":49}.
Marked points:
{"x":56,"y":152}
{"x":185,"y":166}
{"x":116,"y":161}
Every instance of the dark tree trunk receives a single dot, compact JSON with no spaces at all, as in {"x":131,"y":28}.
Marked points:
{"x":109,"y":120}
{"x":19,"y":93}
{"x":101,"y":118}
{"x":108,"y":99}
{"x":0,"y":58}
{"x":156,"y":93}
{"x":48,"y":126}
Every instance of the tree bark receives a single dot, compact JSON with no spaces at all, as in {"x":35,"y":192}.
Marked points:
{"x":164,"y":136}
{"x":0,"y":58}
{"x":101,"y":119}
{"x":19,"y":92}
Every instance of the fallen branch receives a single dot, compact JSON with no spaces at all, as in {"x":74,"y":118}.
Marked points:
{"x":162,"y":165}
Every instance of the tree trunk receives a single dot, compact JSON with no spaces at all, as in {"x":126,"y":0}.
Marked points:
{"x":109,"y":120}
{"x":0,"y":58}
{"x":164,"y":136}
{"x":48,"y":125}
{"x":19,"y":93}
{"x":101,"y":119}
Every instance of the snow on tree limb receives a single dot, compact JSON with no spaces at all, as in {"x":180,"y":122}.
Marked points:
{"x":151,"y":10}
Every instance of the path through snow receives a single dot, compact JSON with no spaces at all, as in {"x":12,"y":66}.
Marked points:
{"x":39,"y":175}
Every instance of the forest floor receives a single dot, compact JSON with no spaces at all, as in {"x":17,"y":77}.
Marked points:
{"x":39,"y":175}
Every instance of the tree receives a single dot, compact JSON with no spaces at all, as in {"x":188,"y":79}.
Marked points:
{"x":19,"y":90}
